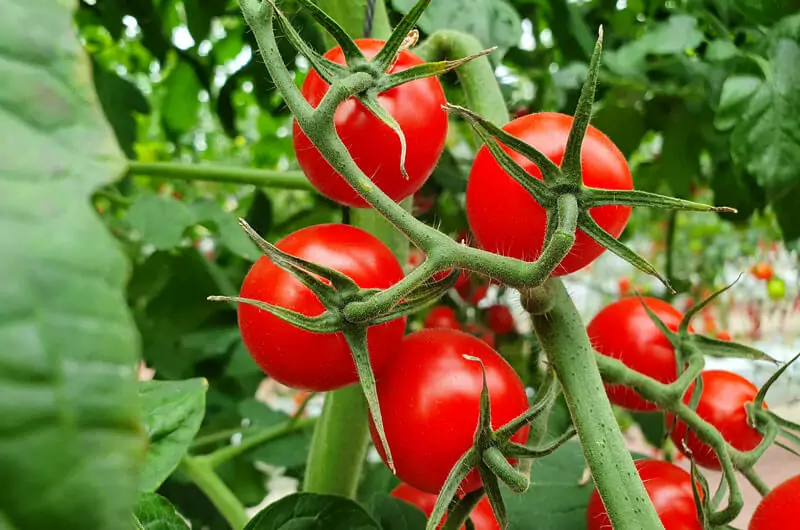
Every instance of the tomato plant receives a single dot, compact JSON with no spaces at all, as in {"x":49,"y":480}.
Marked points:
{"x":779,"y":507}
{"x":623,"y":330}
{"x":722,"y":404}
{"x":299,"y":358}
{"x":430,"y":397}
{"x":482,"y":516}
{"x":670,"y":489}
{"x":516,"y":225}
{"x":415,"y":106}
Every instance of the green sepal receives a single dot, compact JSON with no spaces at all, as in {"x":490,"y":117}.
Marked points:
{"x":371,"y":103}
{"x":762,"y":392}
{"x":422,"y":71}
{"x":418,"y":299}
{"x":492,"y":487}
{"x":593,"y":197}
{"x":328,"y":70}
{"x":571,"y":164}
{"x":350,"y":50}
{"x":450,"y":488}
{"x":546,"y":393}
{"x":460,"y":510}
{"x":357,"y":340}
{"x":327,"y":322}
{"x":728,"y":350}
{"x":683,"y":328}
{"x":515,"y":450}
{"x":386,"y":56}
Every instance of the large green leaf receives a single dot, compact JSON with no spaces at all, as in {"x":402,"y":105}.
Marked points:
{"x":154,"y":512}
{"x":70,"y":444}
{"x":308,"y":511}
{"x":767,"y":138}
{"x":181,"y":104}
{"x":394,"y":514}
{"x":555,"y":500}
{"x":121,"y":101}
{"x":160,"y":221}
{"x":173,"y":412}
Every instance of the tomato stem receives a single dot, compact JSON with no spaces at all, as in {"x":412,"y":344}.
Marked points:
{"x":753,"y":478}
{"x":202,"y":474}
{"x":564,"y":340}
{"x":265,"y":178}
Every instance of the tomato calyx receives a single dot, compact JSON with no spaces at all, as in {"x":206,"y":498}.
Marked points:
{"x":492,"y":450}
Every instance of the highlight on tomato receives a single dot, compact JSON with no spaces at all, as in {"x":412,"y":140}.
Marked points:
{"x":430,"y":401}
{"x":317,"y":361}
{"x":416,"y":106}
{"x":670,"y":489}
{"x":624,"y":330}
{"x":482,"y":515}
{"x":722,"y":404}
{"x":778,"y":508}
{"x":506,"y":219}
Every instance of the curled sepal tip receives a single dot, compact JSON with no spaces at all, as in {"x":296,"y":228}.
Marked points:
{"x":371,"y":103}
{"x":762,"y":392}
{"x":425,"y":70}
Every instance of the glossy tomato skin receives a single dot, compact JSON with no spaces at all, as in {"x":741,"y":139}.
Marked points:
{"x":507,"y":220}
{"x":417,"y":108}
{"x":441,"y":317}
{"x":623,"y":330}
{"x":430,"y":402}
{"x":779,"y":508}
{"x":299,"y":358}
{"x":722,"y":404}
{"x":670,"y":489}
{"x":482,"y":516}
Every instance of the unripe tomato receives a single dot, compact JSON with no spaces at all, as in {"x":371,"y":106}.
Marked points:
{"x":722,"y":404}
{"x":416,"y":106}
{"x":430,"y":402}
{"x":482,"y":515}
{"x":779,"y":508}
{"x":776,"y":289}
{"x":623,"y":330}
{"x":670,"y":489}
{"x":506,"y":219}
{"x":317,"y":361}
{"x":761,"y":271}
{"x":500,"y":319}
{"x":441,"y":317}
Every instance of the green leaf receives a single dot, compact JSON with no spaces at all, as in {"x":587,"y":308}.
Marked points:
{"x":226,"y":225}
{"x":677,"y":35}
{"x":766,"y":12}
{"x":121,"y":101}
{"x":721,"y":50}
{"x":493,"y":22}
{"x":737,"y":189}
{"x":154,"y":512}
{"x":736,"y":94}
{"x":766,"y":140}
{"x":180,"y":105}
{"x":555,"y":500}
{"x":160,"y":221}
{"x":652,"y":426}
{"x":622,"y":123}
{"x":375,"y":479}
{"x":199,"y":14}
{"x":173,"y":412}
{"x":308,"y":511}
{"x":394,"y":514}
{"x":70,"y":444}
{"x":787,"y":213}
{"x":287,"y":451}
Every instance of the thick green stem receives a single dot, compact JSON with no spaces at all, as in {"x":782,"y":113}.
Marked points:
{"x":476,"y":77}
{"x":754,"y":480}
{"x":564,"y":340}
{"x":266,"y":178}
{"x":339,"y":445}
{"x":223,"y":499}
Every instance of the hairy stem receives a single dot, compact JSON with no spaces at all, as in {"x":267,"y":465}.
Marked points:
{"x":566,"y":344}
{"x":266,"y":178}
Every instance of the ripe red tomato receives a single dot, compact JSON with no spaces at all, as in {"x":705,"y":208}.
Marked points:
{"x":761,"y":271}
{"x":500,"y":319}
{"x":778,"y":508}
{"x":722,"y":405}
{"x":482,"y":515}
{"x":724,"y":335}
{"x":441,"y":317}
{"x":317,"y":361}
{"x":623,"y":330}
{"x":430,"y":400}
{"x":507,"y":219}
{"x":416,"y":106}
{"x":670,"y":489}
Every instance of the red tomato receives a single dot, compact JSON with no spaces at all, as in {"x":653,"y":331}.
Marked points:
{"x":761,"y":271}
{"x":317,"y":361}
{"x":722,"y":405}
{"x":670,"y":489}
{"x":430,"y":400}
{"x":478,"y":294}
{"x":441,"y":317}
{"x":778,"y":508}
{"x":724,"y":335}
{"x":416,"y":106}
{"x":500,"y":319}
{"x":507,"y":219}
{"x":482,"y":515}
{"x":623,"y":330}
{"x":625,"y":286}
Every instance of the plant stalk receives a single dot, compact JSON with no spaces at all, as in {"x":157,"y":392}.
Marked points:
{"x":564,"y":340}
{"x":223,"y":499}
{"x":265,"y":178}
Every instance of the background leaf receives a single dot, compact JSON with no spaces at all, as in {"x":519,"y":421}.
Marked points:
{"x":71,"y":442}
{"x":308,"y":511}
{"x":395,"y":514}
{"x":154,"y":512}
{"x":160,"y":221}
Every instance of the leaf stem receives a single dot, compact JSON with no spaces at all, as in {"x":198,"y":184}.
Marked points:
{"x":220,"y":495}
{"x":266,"y":178}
